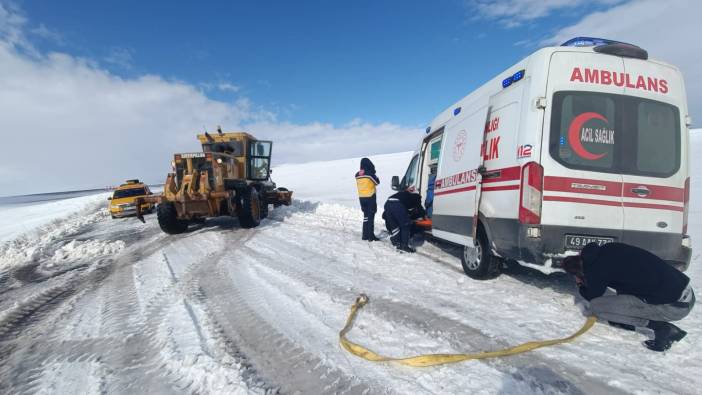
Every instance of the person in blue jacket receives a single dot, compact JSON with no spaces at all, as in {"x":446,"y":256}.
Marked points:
{"x":400,"y":210}
{"x":366,"y":181}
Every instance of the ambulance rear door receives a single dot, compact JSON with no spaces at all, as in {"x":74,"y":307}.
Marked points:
{"x":655,"y":154}
{"x":582,"y":188}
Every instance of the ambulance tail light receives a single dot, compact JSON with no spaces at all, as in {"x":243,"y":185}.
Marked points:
{"x":530,"y":193}
{"x":686,"y":200}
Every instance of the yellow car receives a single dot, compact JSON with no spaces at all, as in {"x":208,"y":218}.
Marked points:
{"x":122,"y":200}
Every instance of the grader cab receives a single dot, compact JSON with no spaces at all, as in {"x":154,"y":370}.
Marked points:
{"x":231,"y":176}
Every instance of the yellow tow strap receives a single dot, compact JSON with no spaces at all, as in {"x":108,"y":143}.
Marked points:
{"x":439,"y":359}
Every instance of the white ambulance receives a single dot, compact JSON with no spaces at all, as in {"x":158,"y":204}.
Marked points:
{"x":585,"y":142}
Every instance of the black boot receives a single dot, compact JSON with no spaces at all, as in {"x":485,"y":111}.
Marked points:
{"x":406,"y":248}
{"x":372,"y":238}
{"x":665,"y":334}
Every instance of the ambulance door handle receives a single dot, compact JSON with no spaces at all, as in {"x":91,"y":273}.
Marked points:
{"x":641,"y":191}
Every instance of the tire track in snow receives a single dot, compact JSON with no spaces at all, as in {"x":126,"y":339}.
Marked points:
{"x":32,"y":330}
{"x":535,"y":370}
{"x":28,"y":330}
{"x":275,"y":358}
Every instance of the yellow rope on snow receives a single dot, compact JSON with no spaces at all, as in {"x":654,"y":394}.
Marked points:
{"x":439,"y":359}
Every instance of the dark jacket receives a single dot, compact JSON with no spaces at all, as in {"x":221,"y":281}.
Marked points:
{"x":412,"y":202}
{"x":630,"y":271}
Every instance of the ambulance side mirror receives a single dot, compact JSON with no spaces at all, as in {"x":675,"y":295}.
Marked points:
{"x":395,"y":183}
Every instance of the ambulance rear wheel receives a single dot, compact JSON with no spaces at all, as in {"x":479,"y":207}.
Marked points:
{"x":477,"y":261}
{"x":168,"y":219}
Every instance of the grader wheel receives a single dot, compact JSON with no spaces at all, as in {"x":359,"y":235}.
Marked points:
{"x":250,"y":212}
{"x":168,"y":219}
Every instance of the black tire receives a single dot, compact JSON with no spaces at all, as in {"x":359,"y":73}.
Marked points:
{"x":478,"y":262}
{"x":168,"y":219}
{"x":250,"y":211}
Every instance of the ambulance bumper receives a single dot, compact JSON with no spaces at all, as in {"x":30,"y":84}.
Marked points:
{"x":549,"y":248}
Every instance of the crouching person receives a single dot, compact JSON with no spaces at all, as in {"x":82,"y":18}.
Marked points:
{"x":400,"y":209}
{"x":366,"y":180}
{"x":650,"y":292}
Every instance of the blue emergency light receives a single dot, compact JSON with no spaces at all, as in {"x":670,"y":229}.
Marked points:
{"x":428,"y":130}
{"x":587,"y":42}
{"x":456,"y":111}
{"x":611,"y":47}
{"x":590,"y":42}
{"x":513,"y":78}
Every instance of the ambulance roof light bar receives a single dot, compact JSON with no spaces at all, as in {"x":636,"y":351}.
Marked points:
{"x":610,"y":47}
{"x":588,"y":42}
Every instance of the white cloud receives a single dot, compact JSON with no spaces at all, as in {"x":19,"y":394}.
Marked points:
{"x":12,"y":24}
{"x":227,"y":87}
{"x":66,"y":123}
{"x":221,"y":86}
{"x":47,"y":34}
{"x":323,"y":141}
{"x":668,"y":30}
{"x":515,"y":12}
{"x":120,"y":56}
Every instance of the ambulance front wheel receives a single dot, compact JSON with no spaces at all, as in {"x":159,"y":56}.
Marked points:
{"x":477,"y":261}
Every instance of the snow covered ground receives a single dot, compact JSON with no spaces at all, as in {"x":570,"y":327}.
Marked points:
{"x":17,"y":219}
{"x":92,"y":305}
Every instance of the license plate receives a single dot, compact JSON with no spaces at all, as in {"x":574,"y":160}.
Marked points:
{"x":577,"y":241}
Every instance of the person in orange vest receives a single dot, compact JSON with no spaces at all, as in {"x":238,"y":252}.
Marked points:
{"x":366,"y":180}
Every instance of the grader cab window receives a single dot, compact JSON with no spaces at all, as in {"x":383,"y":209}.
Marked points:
{"x":231,"y":147}
{"x":259,"y":160}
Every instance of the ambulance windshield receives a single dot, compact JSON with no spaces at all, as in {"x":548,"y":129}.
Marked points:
{"x":615,"y":134}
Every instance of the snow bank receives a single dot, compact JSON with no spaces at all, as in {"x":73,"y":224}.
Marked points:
{"x":49,"y":227}
{"x":333,"y":181}
{"x":16,"y":220}
{"x":75,"y":250}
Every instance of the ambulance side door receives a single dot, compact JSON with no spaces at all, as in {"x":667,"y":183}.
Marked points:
{"x":457,"y":176}
{"x":410,"y":181}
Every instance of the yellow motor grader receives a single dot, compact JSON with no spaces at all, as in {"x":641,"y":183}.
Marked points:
{"x":231,"y":176}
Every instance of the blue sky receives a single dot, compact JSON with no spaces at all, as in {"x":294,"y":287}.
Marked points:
{"x":329,"y":61}
{"x":122,"y":85}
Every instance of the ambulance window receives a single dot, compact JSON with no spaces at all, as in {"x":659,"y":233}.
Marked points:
{"x":615,"y":134}
{"x":410,"y":176}
{"x":583,"y":133}
{"x":435,"y":151}
{"x":658,"y":149}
